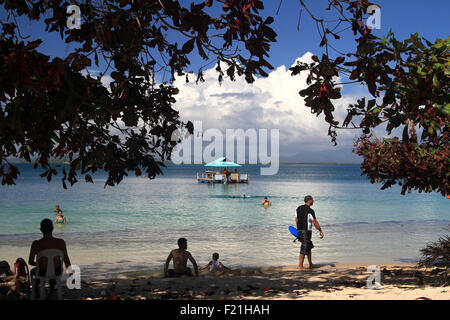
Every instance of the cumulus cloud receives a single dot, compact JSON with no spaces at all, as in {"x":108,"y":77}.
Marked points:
{"x":269,"y":103}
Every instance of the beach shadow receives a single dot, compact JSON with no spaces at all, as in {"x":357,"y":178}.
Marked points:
{"x":254,"y":283}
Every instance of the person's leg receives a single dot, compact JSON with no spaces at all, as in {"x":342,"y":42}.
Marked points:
{"x":34,"y":282}
{"x":171,"y":273}
{"x":309,"y":246}
{"x":300,"y":261}
{"x":309,"y":255}
{"x":52,"y":283}
{"x":302,"y":237}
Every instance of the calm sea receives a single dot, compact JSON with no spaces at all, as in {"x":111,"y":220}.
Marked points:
{"x":134,"y":226}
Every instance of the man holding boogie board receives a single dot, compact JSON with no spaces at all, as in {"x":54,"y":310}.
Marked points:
{"x":305,"y":219}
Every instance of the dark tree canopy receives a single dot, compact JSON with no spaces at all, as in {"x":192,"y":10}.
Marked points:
{"x":53,"y":108}
{"x":409,"y":83}
{"x":50,"y":109}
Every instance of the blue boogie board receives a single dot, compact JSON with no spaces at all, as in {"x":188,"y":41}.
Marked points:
{"x":293,"y":231}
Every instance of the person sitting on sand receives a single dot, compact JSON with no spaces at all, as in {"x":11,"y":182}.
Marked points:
{"x":266,"y":202}
{"x":180,"y":257}
{"x":59,"y":218}
{"x":47,"y":242}
{"x":305,"y":219}
{"x":5,"y":268}
{"x":215,"y":264}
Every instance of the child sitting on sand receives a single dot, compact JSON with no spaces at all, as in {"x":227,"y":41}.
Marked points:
{"x":215,"y":264}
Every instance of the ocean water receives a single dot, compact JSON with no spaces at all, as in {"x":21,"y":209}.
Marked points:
{"x":134,"y":226}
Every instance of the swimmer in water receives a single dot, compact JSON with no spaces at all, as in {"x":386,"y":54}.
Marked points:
{"x":59,"y":218}
{"x":266,"y":202}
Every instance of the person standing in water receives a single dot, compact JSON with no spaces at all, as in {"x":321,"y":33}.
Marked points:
{"x":59,"y":217}
{"x":305,"y":219}
{"x":266,"y":202}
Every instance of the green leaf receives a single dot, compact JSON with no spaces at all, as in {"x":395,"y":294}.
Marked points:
{"x":436,"y":82}
{"x":444,"y":108}
{"x":376,"y":110}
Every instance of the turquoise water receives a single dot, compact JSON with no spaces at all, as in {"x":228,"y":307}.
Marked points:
{"x":134,"y":226}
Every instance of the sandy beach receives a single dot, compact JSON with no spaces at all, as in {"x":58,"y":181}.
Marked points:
{"x":399,"y":281}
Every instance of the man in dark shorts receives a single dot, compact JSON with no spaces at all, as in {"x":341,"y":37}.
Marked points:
{"x":47,"y":242}
{"x":180,"y":257}
{"x":305,"y":219}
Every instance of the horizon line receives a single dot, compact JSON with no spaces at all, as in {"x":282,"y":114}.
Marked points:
{"x":170,"y":162}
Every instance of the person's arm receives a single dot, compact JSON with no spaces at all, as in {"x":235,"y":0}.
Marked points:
{"x":66,"y":255}
{"x":312,"y":216}
{"x":221,"y":264}
{"x":317,"y":226}
{"x":33,"y":253}
{"x":194,"y":263}
{"x":65,"y":219}
{"x":206,"y":266}
{"x":166,"y":265}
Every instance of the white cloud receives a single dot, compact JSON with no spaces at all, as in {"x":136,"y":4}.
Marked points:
{"x":272,"y":102}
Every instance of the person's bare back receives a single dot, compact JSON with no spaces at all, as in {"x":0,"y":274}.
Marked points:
{"x":180,"y":257}
{"x":48,"y":242}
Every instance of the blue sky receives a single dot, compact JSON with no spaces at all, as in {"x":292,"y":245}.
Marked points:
{"x":262,"y":105}
{"x":404,"y":17}
{"x":429,"y":18}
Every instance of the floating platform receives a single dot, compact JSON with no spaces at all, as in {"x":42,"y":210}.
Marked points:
{"x":220,"y":177}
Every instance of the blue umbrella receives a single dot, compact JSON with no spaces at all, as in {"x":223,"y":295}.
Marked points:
{"x":222,"y":162}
